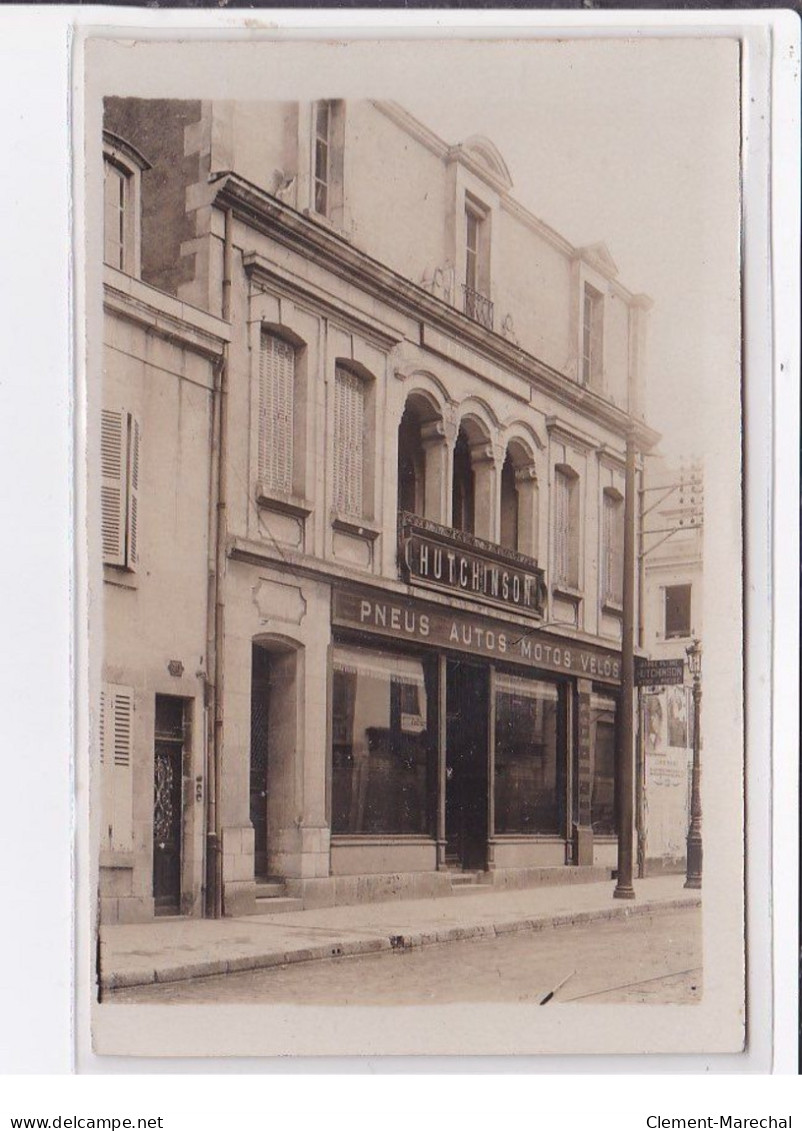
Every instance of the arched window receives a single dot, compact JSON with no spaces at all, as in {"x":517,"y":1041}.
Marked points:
{"x":463,"y":487}
{"x":122,"y":170}
{"x":411,"y":462}
{"x":519,"y":517}
{"x":509,"y":505}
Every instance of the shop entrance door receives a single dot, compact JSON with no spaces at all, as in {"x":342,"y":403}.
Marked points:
{"x":467,"y":734}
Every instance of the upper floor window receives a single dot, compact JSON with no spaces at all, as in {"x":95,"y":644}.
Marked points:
{"x":277,"y":365}
{"x":322,"y":156}
{"x":612,"y":549}
{"x":411,"y":463}
{"x":592,"y":324}
{"x":566,"y":528}
{"x":462,"y":486}
{"x":350,"y":443}
{"x":677,"y":611}
{"x":120,"y":439}
{"x":328,"y":141}
{"x":477,"y":264}
{"x":122,"y":169}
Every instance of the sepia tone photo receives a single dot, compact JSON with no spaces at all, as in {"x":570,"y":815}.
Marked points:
{"x":415,"y":461}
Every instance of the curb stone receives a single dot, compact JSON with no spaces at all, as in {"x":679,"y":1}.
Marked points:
{"x":127,"y":979}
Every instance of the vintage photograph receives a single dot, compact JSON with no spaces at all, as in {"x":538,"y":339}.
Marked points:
{"x":410,"y":400}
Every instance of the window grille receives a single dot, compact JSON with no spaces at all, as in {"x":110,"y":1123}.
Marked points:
{"x":349,"y":443}
{"x":276,"y":408}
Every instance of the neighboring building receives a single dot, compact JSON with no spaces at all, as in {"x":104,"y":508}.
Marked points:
{"x":671,"y":619}
{"x":371,"y":631}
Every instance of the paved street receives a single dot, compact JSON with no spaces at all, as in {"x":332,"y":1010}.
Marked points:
{"x":649,"y":958}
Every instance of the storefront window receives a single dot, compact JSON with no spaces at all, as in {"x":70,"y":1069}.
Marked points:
{"x":529,"y":775}
{"x":602,"y":799}
{"x":384,"y":742}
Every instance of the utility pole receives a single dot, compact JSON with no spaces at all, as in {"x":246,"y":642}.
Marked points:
{"x":625,"y":778}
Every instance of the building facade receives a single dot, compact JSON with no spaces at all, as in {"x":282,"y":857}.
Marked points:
{"x":373,"y":415}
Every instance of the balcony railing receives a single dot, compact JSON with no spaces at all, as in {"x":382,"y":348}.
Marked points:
{"x":477,"y":307}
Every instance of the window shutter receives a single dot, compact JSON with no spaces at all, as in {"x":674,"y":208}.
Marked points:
{"x":276,"y":409}
{"x":560,"y":527}
{"x":349,"y":443}
{"x":112,"y":488}
{"x":116,"y":742}
{"x":566,"y":529}
{"x":132,"y":543}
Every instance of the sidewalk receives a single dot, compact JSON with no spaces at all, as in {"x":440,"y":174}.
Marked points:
{"x":171,"y":950}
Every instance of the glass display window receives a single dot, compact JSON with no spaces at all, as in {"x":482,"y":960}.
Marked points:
{"x":384,"y":742}
{"x":529,"y":771}
{"x":602,"y":797}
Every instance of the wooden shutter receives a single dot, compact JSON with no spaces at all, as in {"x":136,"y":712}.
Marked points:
{"x":349,"y":443}
{"x":132,"y":539}
{"x":276,"y":409}
{"x":116,"y":747}
{"x":572,"y":530}
{"x":560,"y":527}
{"x":113,"y":461}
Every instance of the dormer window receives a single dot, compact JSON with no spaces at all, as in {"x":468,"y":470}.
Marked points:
{"x":122,"y":170}
{"x":322,"y":157}
{"x":328,"y":142}
{"x":592,"y":324}
{"x":477,"y":264}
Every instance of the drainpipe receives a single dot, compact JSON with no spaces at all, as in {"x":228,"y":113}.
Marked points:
{"x":214,"y":858}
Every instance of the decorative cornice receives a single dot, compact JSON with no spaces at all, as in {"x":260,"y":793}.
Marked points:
{"x":164,"y":315}
{"x":266,"y":214}
{"x":565,"y":431}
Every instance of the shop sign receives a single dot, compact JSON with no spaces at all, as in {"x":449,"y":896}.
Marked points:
{"x":401,"y":618}
{"x":658,"y":673}
{"x":443,"y":558}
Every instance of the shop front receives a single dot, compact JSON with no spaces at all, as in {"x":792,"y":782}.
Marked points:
{"x":464,"y":741}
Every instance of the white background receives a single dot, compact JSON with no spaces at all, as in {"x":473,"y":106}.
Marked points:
{"x":36,"y":568}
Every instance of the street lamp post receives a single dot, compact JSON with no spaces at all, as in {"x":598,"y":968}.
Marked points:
{"x":693,"y":874}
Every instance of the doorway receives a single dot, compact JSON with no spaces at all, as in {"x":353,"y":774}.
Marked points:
{"x":260,"y":719}
{"x":467,"y":737}
{"x":170,"y":742}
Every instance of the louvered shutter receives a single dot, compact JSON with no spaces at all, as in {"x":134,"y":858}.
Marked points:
{"x":561,"y":527}
{"x":572,"y":530}
{"x":106,"y":792}
{"x":276,"y":409}
{"x":113,"y":444}
{"x":617,"y":550}
{"x":132,"y":543}
{"x":116,"y":742}
{"x":349,"y":443}
{"x":608,"y":534}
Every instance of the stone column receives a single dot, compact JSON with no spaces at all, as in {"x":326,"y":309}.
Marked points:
{"x":528,"y":499}
{"x":436,"y":487}
{"x":583,"y":831}
{"x":485,"y":491}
